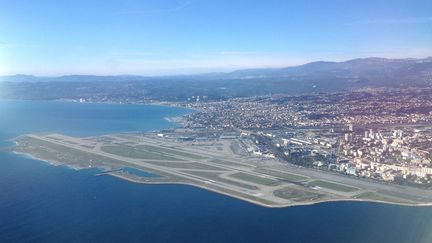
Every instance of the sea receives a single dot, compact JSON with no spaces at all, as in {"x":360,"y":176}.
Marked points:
{"x":44,"y":203}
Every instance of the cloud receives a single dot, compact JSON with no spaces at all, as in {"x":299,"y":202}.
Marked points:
{"x":390,"y":21}
{"x":177,"y":8}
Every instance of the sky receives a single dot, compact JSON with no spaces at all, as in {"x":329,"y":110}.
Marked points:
{"x":164,"y":37}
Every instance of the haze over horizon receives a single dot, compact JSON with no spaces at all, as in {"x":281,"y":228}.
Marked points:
{"x":263,"y":68}
{"x":186,"y":37}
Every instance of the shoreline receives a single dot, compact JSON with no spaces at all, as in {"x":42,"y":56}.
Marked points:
{"x":267,"y":205}
{"x":153,"y":103}
{"x":177,"y":120}
{"x":56,"y":163}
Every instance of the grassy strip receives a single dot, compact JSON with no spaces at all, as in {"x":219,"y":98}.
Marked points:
{"x":56,"y":152}
{"x":132,"y":152}
{"x":332,"y":186}
{"x":215,"y":177}
{"x":169,"y":151}
{"x":379,"y":197}
{"x":224,"y":162}
{"x":296,"y":195}
{"x":255,"y":179}
{"x":184,"y":165}
{"x":282,"y":175}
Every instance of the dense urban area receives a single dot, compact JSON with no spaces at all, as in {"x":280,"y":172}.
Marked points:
{"x":383,"y":134}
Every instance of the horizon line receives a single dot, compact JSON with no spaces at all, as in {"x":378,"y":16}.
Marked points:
{"x":211,"y":72}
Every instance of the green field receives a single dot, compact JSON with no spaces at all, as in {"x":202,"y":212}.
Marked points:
{"x":255,"y":179}
{"x":379,"y":197}
{"x":282,"y":175}
{"x":55,"y":152}
{"x":215,"y":177}
{"x":296,"y":195}
{"x":169,"y":151}
{"x":185,"y":165}
{"x":332,"y":186}
{"x":132,"y":152}
{"x":224,"y":162}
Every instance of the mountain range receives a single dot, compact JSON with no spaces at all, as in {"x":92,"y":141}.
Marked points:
{"x":319,"y":76}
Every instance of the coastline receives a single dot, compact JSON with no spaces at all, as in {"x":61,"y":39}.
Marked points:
{"x":178,"y":120}
{"x":271,"y":206}
{"x":57,"y":163}
{"x":152,"y":103}
{"x":172,"y":119}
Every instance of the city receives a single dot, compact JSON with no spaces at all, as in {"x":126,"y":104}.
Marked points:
{"x":380,"y":134}
{"x":190,"y":121}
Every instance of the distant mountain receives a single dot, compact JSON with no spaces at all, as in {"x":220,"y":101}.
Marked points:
{"x":312,"y":77}
{"x":69,"y":78}
{"x":375,"y":71}
{"x":19,"y":78}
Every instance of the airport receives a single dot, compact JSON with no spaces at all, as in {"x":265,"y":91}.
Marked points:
{"x":215,"y":165}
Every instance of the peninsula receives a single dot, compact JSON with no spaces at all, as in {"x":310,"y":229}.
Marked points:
{"x":215,"y":164}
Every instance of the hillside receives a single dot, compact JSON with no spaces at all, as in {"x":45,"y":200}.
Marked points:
{"x":312,"y":77}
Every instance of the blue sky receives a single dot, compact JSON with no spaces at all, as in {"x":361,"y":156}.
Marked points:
{"x":155,"y":37}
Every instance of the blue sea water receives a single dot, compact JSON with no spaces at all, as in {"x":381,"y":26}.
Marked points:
{"x":43,"y":203}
